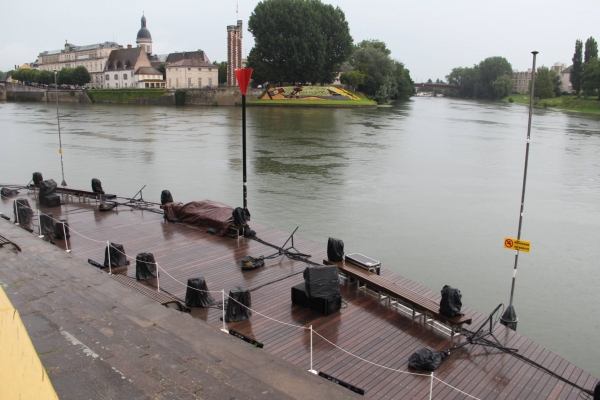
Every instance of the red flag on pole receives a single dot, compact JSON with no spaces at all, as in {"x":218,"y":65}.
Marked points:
{"x":243,"y":77}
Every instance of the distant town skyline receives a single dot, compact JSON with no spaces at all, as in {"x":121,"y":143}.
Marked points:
{"x":430,"y":38}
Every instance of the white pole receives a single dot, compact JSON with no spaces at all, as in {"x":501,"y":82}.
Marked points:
{"x":224,"y":329}
{"x":158,"y":277}
{"x":311,"y":370}
{"x":66,"y":240}
{"x":40,"y":224}
{"x":431,"y":387}
{"x":17,"y":213}
{"x":109,"y":266}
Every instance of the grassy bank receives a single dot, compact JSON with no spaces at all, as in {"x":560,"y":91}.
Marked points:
{"x":362,"y":102}
{"x":125,"y":95}
{"x":591,"y":105}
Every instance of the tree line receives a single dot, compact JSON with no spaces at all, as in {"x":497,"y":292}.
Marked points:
{"x":585,"y":72}
{"x":490,"y":79}
{"x":66,"y":76}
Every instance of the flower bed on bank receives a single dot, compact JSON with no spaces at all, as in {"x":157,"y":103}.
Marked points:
{"x":312,"y":95}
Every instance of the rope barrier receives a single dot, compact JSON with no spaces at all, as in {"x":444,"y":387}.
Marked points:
{"x":224,"y":329}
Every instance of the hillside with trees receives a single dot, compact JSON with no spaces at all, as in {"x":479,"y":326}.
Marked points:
{"x":490,"y":79}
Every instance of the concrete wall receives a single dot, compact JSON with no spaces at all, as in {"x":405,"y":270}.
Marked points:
{"x":220,"y":96}
{"x":15,"y":92}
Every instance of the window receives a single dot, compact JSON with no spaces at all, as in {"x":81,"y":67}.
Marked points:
{"x":132,"y":74}
{"x":199,"y":82}
{"x":125,"y":76}
{"x":117,"y":85}
{"x":210,"y":69}
{"x":189,"y":82}
{"x":116,"y":77}
{"x":107,"y":77}
{"x":210,"y":82}
{"x":107,"y":85}
{"x":170,"y":82}
{"x":177,"y":82}
{"x":199,"y":69}
{"x":189,"y":69}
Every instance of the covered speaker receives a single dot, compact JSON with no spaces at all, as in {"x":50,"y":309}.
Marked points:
{"x":37,"y":178}
{"x":22,"y":210}
{"x":46,"y":224}
{"x":145,"y":266}
{"x":197,"y":294}
{"x":117,"y":256}
{"x":335,"y":250}
{"x":238,"y":305}
{"x":6,"y":192}
{"x":426,"y":359}
{"x":322,"y":281}
{"x":97,"y":186}
{"x":451,"y":302}
{"x":239,"y":217}
{"x":61,"y":229}
{"x":165,"y":197}
{"x":47,"y":188}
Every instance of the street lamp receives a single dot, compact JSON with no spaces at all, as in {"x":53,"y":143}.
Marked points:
{"x":62,"y":167}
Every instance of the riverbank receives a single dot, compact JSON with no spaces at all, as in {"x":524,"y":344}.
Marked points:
{"x":591,"y":105}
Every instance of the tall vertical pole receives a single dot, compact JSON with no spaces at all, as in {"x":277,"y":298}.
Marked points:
{"x":311,"y":370}
{"x":62,"y":167}
{"x":244,"y":152}
{"x":509,"y":318}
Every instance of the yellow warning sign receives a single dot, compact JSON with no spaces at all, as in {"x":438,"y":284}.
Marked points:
{"x":517,"y":244}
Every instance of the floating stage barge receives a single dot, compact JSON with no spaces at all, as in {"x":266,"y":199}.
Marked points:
{"x":365,"y":345}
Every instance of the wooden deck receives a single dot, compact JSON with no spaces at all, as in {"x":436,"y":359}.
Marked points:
{"x":365,"y":326}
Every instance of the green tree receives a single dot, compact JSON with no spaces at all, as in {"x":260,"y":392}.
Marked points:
{"x":45,"y":77}
{"x":404,"y":83}
{"x":466,"y":78}
{"x":81,"y":76}
{"x":223,"y":72}
{"x":556,"y":82}
{"x":591,"y":77}
{"x":65,"y":76}
{"x":544,"y":87}
{"x":591,"y":49}
{"x":502,"y":86}
{"x":577,"y":68}
{"x":374,"y":62}
{"x":489,"y":70}
{"x":298,"y":41}
{"x":352,"y":78}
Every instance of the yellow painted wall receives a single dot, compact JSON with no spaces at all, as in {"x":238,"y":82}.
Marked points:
{"x":22,"y":375}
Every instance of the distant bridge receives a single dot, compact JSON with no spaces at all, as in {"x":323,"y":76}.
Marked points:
{"x":425,"y":85}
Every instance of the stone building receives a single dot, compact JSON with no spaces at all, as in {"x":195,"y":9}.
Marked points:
{"x":521,"y":81}
{"x":234,"y":52}
{"x":93,"y":57}
{"x":565,"y":75}
{"x":131,"y":68}
{"x":192,"y":74}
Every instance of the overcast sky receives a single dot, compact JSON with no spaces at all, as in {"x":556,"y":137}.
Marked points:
{"x":429,"y":36}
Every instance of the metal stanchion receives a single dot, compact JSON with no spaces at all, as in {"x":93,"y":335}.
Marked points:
{"x":157,"y":278}
{"x":66,"y":238}
{"x":224,"y":329}
{"x":108,"y":253}
{"x":431,"y":387}
{"x":40,"y":224}
{"x":311,"y":370}
{"x":17,"y":213}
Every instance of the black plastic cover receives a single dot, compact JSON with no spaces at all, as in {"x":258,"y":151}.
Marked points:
{"x":322,"y":281}
{"x":165,"y":197}
{"x":97,"y":186}
{"x":426,"y":359}
{"x":249,"y":263}
{"x":46,"y":224}
{"x":145,"y":266}
{"x":239,"y":297}
{"x":37,"y":178}
{"x":451,"y":303}
{"x":197,"y":294}
{"x":47,"y":188}
{"x":117,"y":256}
{"x":22,"y":211}
{"x":6,"y":192}
{"x":60,"y":229}
{"x":597,"y":391}
{"x":107,"y":205}
{"x":335,"y":250}
{"x":239,"y":217}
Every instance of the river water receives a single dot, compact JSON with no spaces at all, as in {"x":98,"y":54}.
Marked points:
{"x":429,"y":187}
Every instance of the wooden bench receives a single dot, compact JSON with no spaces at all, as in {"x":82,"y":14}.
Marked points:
{"x":83,"y":193}
{"x":395,"y":293}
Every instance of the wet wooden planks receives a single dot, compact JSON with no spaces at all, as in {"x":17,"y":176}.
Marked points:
{"x":365,"y":327}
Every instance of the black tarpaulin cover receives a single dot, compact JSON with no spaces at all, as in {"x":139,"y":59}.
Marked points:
{"x":37,"y":178}
{"x":145,"y":266}
{"x":322,"y":281}
{"x":97,"y":186}
{"x":239,"y":217}
{"x":107,"y":206}
{"x":199,"y":297}
{"x":22,"y":210}
{"x":426,"y":359}
{"x":203,"y":214}
{"x":239,"y":297}
{"x":117,"y":256}
{"x":47,"y":188}
{"x":46,"y":224}
{"x":249,"y":263}
{"x":60,"y":229}
{"x":335,"y":250}
{"x":451,"y":303}
{"x":6,"y":192}
{"x":165,"y":197}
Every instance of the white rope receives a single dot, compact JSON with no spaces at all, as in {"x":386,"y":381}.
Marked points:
{"x":458,"y":390}
{"x":272,"y":319}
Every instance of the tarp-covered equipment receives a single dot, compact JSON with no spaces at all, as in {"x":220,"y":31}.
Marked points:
{"x":426,"y":359}
{"x":239,"y":217}
{"x":203,"y":214}
{"x":37,"y":178}
{"x":97,"y":186}
{"x":322,"y":281}
{"x":335,"y":249}
{"x":46,"y":224}
{"x":197,"y":294}
{"x":61,"y":228}
{"x":107,"y":205}
{"x":451,"y":303}
{"x":165,"y":197}
{"x":145,"y":266}
{"x":238,"y":305}
{"x":22,"y":211}
{"x":6,"y":192}
{"x":249,"y":263}
{"x":48,"y":196}
{"x":117,"y":256}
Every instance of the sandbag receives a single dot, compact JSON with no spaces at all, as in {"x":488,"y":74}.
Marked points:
{"x":6,"y":192}
{"x":165,"y":197}
{"x":37,"y":178}
{"x":61,"y":228}
{"x":145,"y":266}
{"x":451,"y":303}
{"x":97,"y":186}
{"x":426,"y":359}
{"x":117,"y":256}
{"x":239,"y":297}
{"x":46,"y":224}
{"x":322,"y":281}
{"x":47,"y":188}
{"x":335,"y":250}
{"x":197,"y":294}
{"x":22,"y":211}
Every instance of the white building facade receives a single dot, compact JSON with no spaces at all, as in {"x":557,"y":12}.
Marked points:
{"x":192,"y":74}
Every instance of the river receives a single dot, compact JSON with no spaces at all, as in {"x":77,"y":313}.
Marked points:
{"x":429,"y":187}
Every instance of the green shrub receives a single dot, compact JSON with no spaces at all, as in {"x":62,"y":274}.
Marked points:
{"x":180,"y":97}
{"x":510,"y":100}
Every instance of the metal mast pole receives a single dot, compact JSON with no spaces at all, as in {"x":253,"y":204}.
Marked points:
{"x":62,"y":167}
{"x":509,"y":318}
{"x":244,"y":151}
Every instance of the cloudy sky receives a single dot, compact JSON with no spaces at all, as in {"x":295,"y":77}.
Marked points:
{"x":429,"y":36}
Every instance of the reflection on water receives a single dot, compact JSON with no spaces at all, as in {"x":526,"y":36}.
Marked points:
{"x":429,"y":187}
